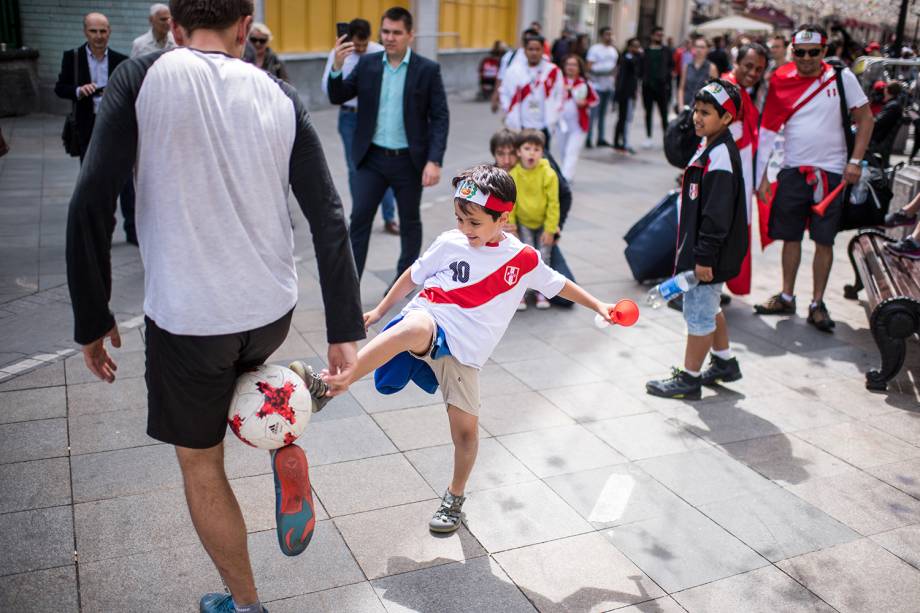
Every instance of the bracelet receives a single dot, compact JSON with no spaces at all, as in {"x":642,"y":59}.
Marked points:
{"x":855,"y":162}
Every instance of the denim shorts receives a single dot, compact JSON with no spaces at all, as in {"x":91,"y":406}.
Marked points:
{"x":701,"y":305}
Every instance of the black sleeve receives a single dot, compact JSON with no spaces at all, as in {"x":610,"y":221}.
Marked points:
{"x":342,"y":90}
{"x":716,"y":210}
{"x":320,"y":203}
{"x":66,"y":86}
{"x":887,"y":119}
{"x":565,"y":192}
{"x":439,"y":119}
{"x":91,"y":219}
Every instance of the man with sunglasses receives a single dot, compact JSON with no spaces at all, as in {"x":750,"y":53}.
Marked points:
{"x":803,"y":101}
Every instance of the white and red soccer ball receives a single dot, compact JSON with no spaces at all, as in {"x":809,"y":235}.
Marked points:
{"x":271,"y":407}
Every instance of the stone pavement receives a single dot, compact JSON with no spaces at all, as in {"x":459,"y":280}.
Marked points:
{"x":793,"y":489}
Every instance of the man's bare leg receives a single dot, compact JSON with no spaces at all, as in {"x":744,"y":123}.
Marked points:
{"x":218,"y":519}
{"x":792,"y":257}
{"x":821,"y":269}
{"x":464,"y":430}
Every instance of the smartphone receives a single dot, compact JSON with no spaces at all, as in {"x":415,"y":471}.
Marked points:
{"x":341,"y":29}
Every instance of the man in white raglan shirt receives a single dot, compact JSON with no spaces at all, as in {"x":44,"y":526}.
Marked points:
{"x":803,"y":101}
{"x":602,"y":63}
{"x":511,"y":57}
{"x":532,"y":94}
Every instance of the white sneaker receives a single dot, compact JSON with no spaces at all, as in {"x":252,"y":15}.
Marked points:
{"x":522,"y":305}
{"x":648,"y":144}
{"x":542,"y":302}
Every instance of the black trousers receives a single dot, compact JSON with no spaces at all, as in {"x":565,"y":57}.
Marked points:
{"x":652,"y":96}
{"x":377,"y":172}
{"x":619,"y":133}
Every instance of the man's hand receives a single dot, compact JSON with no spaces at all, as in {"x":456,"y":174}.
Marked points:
{"x":342,"y":360}
{"x":548,"y":238}
{"x":342,"y":51}
{"x":703,"y":273}
{"x":495,"y":102}
{"x":431,"y":175}
{"x":765,"y":193}
{"x":86,"y":90}
{"x":98,"y":360}
{"x":852,"y":173}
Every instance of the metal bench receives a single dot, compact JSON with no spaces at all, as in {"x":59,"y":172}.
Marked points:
{"x":892,"y":287}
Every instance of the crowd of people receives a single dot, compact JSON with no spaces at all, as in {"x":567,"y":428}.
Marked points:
{"x":214,"y":237}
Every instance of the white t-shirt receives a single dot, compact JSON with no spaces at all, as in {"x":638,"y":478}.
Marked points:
{"x":814,"y":134}
{"x":603,"y":58}
{"x":473,"y":292}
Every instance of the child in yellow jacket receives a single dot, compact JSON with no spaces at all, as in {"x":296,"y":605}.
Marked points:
{"x":536,"y":212}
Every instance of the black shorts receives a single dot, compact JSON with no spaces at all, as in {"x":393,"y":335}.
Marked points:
{"x":791,"y":210}
{"x":190,"y":379}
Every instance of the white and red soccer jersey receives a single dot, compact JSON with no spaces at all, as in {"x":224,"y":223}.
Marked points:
{"x":532,"y":96}
{"x":473,"y":292}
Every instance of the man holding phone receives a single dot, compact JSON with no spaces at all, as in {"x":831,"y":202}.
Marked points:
{"x":400,"y":139}
{"x":357,"y":32}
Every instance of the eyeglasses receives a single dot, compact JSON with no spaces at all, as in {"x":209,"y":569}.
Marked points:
{"x":808,"y":52}
{"x":257,"y":41}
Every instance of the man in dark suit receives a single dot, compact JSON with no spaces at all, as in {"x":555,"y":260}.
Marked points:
{"x":401,"y":134}
{"x":95,"y":64}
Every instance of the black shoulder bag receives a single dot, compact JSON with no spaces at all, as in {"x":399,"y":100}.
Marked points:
{"x":70,"y":135}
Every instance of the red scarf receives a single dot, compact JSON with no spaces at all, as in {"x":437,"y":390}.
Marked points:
{"x":786,"y":88}
{"x":584,"y":119}
{"x":750,"y":116}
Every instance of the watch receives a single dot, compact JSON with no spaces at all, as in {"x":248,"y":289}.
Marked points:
{"x":855,"y":162}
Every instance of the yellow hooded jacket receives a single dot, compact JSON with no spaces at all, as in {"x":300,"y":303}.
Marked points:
{"x":537,"y":202}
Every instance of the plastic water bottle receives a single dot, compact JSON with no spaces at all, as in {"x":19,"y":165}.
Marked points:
{"x":664,"y":291}
{"x":861,"y":189}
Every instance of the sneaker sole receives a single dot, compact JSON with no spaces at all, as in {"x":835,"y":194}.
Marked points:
{"x":761,"y":311}
{"x":444,"y":530}
{"x":294,"y":512}
{"x":691,"y":396}
{"x":718,"y":380}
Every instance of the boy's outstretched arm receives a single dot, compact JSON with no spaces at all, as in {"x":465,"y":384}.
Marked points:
{"x":404,"y":284}
{"x":574,"y":292}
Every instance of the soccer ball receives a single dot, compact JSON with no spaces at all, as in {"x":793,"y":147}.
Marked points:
{"x":271,"y":407}
{"x":580,"y":92}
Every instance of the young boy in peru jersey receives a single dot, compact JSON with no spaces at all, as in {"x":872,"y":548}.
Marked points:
{"x":473,"y":279}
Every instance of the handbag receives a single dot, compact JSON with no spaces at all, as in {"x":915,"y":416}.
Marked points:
{"x":70,"y":135}
{"x":680,"y":139}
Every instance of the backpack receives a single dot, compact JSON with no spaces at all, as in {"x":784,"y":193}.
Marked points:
{"x":680,"y":139}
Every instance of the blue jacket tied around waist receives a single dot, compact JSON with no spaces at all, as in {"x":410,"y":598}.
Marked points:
{"x":404,"y":367}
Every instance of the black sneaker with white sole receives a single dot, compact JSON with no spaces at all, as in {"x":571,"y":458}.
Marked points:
{"x":720,"y":371}
{"x":680,"y":385}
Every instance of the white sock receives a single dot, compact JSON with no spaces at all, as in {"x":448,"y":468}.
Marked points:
{"x":692,"y":373}
{"x":255,"y":607}
{"x":723,"y":354}
{"x":787,"y":297}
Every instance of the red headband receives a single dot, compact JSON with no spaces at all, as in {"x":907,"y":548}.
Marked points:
{"x":467,"y":190}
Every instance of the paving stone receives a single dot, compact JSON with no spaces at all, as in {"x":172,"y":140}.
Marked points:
{"x":33,"y":440}
{"x":594,"y":401}
{"x":659,"y":605}
{"x":580,"y":573}
{"x":374,"y":402}
{"x":46,"y":376}
{"x":97,"y":432}
{"x":364,"y":485}
{"x":54,"y":589}
{"x":704,"y":475}
{"x":861,"y":501}
{"x":474,"y":585}
{"x":130,"y":364}
{"x":418,"y":427}
{"x":495,"y":466}
{"x":858,"y":577}
{"x":902,"y":542}
{"x":850,"y":397}
{"x":683,"y":549}
{"x":495,"y":380}
{"x":645,"y":435}
{"x":294,"y":347}
{"x":514,"y":349}
{"x":860,"y":444}
{"x":518,"y":515}
{"x":36,"y":539}
{"x":346,"y":439}
{"x":778,"y":524}
{"x":614,"y":495}
{"x":32,"y":485}
{"x":357,"y":597}
{"x":521,"y":412}
{"x":541,"y":374}
{"x":787,"y":459}
{"x":560,"y":450}
{"x":904,"y":476}
{"x":256,"y":496}
{"x":405,"y":543}
{"x":765,"y":590}
{"x":124,"y":472}
{"x":101,"y":397}
{"x":901,"y":424}
{"x":29,"y":404}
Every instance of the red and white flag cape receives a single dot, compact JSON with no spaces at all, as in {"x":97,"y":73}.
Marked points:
{"x":518,"y":92}
{"x":584,"y":112}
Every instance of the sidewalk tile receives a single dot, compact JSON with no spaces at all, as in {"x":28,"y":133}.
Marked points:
{"x":33,"y":440}
{"x":495,"y":466}
{"x":542,"y":374}
{"x":29,"y":404}
{"x":860,"y":444}
{"x":375,"y":402}
{"x":495,"y":380}
{"x":513,"y":349}
{"x":594,"y":401}
{"x":124,"y":472}
{"x":778,"y":524}
{"x":858,"y":577}
{"x":97,"y":432}
{"x":683,"y":549}
{"x":519,"y":515}
{"x":787,"y":459}
{"x":396,"y":539}
{"x":765,"y":590}
{"x":365,"y":485}
{"x":704,"y":475}
{"x":358,"y":597}
{"x":614,"y":495}
{"x":901,"y":424}
{"x":645,"y":435}
{"x":54,"y":589}
{"x":904,"y":476}
{"x":659,"y":605}
{"x":474,"y":585}
{"x":520,"y":412}
{"x":564,"y":449}
{"x":579,"y":573}
{"x":45,"y":376}
{"x":417,"y":427}
{"x":35,"y":540}
{"x":32,"y":485}
{"x":346,"y":439}
{"x":130,"y":364}
{"x":902,"y":542}
{"x":861,"y":501}
{"x":101,"y":397}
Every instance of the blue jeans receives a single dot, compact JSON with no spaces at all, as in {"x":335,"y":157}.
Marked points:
{"x":701,"y":305}
{"x":348,"y":123}
{"x":599,"y":115}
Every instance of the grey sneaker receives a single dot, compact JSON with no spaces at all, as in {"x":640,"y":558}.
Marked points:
{"x":315,"y":384}
{"x":449,"y":515}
